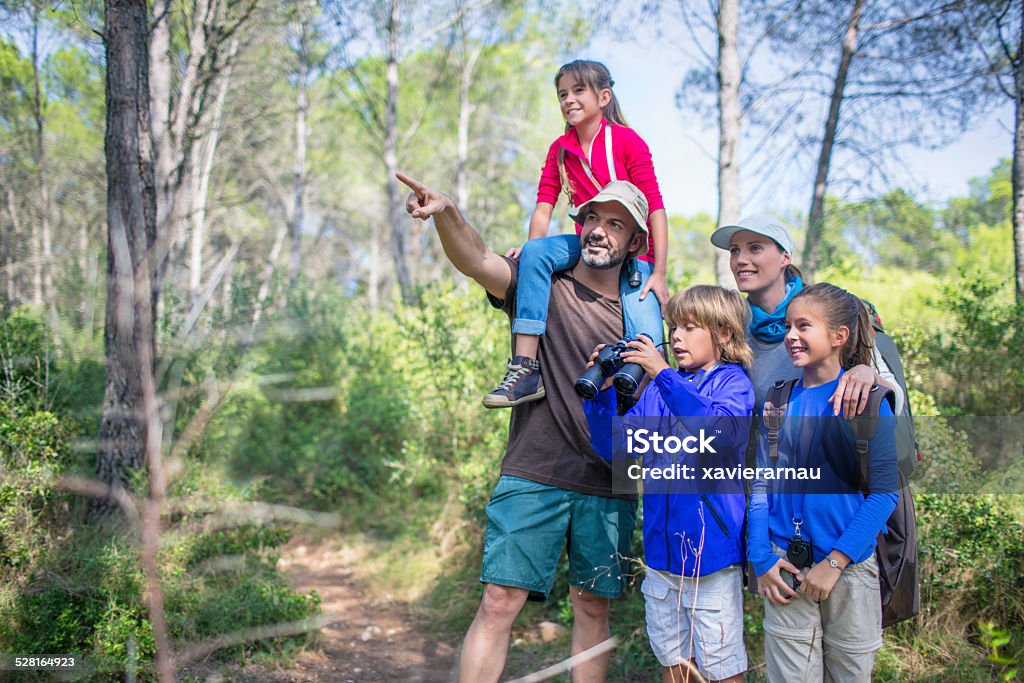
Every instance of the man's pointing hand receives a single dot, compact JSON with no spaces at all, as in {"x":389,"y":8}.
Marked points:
{"x":423,"y":202}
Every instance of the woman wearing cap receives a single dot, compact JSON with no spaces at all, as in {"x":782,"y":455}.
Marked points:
{"x":761,"y":249}
{"x":805,"y":639}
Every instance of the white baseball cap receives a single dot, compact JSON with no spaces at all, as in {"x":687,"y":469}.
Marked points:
{"x":760,"y":223}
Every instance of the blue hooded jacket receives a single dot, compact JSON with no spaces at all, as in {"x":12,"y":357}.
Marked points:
{"x":696,"y":529}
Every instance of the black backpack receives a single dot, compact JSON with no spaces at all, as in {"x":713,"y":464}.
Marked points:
{"x":906,"y":441}
{"x":896,"y":552}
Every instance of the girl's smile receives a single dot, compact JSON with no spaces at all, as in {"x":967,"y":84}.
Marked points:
{"x":579,"y":102}
{"x":808,"y":340}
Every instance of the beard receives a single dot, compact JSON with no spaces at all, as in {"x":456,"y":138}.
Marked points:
{"x":603,"y":260}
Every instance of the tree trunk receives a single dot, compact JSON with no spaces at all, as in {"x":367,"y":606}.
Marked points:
{"x":160,"y":105}
{"x":226,"y":292}
{"x":130,"y":428}
{"x":5,"y":262}
{"x":46,"y":267}
{"x":465,"y":111}
{"x":10,"y":241}
{"x":174,"y":117}
{"x":1018,"y":169}
{"x":373,"y":275}
{"x":36,"y":250}
{"x":816,"y":217}
{"x":91,"y":294}
{"x":396,"y":212}
{"x":301,"y":109}
{"x":268,"y":275}
{"x":131,"y":226}
{"x":200,"y":176}
{"x":729,"y":129}
{"x":83,"y":270}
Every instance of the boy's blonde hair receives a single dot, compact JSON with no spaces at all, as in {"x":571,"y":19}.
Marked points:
{"x":714,"y":308}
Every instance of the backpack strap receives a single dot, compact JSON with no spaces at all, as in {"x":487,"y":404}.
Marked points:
{"x":864,"y":427}
{"x":608,"y":151}
{"x":774,"y":412}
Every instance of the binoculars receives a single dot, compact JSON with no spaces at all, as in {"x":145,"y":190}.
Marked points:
{"x":609,"y":363}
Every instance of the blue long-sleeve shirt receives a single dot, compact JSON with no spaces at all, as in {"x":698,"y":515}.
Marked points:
{"x":831,"y":520}
{"x":693,"y":530}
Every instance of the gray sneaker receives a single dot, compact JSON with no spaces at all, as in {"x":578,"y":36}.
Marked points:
{"x":522,"y":383}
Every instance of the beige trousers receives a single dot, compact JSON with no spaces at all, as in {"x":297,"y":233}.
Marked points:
{"x":834,"y":640}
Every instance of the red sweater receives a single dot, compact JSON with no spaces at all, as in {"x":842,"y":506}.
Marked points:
{"x":632,"y":161}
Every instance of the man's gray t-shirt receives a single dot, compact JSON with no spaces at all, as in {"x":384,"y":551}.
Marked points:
{"x":548,"y":440}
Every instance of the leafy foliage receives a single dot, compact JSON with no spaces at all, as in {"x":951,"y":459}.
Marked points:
{"x":972,"y":548}
{"x":72,"y":588}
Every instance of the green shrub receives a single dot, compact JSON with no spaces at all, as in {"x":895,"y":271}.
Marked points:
{"x":68,"y":587}
{"x":972,"y":551}
{"x":973,"y":364}
{"x":34,"y":452}
{"x":361,"y":405}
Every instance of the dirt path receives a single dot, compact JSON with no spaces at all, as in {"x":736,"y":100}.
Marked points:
{"x":371,"y":639}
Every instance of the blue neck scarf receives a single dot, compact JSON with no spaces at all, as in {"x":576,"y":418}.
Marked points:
{"x":771,"y":327}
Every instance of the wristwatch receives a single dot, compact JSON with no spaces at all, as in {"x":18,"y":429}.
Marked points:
{"x":834,"y":563}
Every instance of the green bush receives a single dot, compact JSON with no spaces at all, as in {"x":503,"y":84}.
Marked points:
{"x":34,"y":452}
{"x":86,"y":597}
{"x":974,"y":363}
{"x":972,"y":551}
{"x":68,"y":587}
{"x":349,"y":405}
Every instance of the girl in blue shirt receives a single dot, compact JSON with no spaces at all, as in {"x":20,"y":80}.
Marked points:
{"x":822,"y":621}
{"x":693,"y":530}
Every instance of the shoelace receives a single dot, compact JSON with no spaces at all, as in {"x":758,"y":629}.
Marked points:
{"x":512,"y":375}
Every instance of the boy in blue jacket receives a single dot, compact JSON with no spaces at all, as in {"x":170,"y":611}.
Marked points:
{"x":693,"y":531}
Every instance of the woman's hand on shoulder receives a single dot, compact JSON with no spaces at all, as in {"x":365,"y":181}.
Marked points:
{"x":851,"y":395}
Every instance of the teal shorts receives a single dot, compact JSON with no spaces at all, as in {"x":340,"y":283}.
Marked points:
{"x":527,"y":523}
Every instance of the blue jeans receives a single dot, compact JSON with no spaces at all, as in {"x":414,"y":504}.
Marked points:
{"x":542,"y":258}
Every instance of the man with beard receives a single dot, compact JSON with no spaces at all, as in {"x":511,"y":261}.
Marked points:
{"x":553,"y":488}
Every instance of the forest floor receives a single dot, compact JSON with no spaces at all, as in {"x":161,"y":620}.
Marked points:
{"x":370,"y":637}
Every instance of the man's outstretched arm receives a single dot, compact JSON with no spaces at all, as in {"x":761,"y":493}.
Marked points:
{"x":462,"y":244}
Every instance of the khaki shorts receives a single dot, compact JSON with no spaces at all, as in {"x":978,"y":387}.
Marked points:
{"x":699,"y":619}
{"x":834,"y":640}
